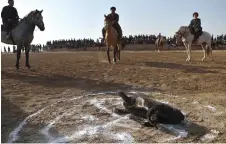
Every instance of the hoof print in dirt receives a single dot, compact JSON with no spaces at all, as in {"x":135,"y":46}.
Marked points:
{"x":144,"y":108}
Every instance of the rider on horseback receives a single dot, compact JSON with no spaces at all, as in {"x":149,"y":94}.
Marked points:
{"x":159,"y":38}
{"x":115,"y":18}
{"x":10,"y":17}
{"x":195,"y":27}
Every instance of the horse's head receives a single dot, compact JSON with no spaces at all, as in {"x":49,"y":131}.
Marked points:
{"x":107,"y":22}
{"x":182,"y":32}
{"x":35,"y":17}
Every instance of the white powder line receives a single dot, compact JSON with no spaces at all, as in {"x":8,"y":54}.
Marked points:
{"x":98,"y":104}
{"x":127,"y":126}
{"x":211,"y":108}
{"x":125,"y":137}
{"x":13,"y":136}
{"x":88,"y":131}
{"x":180,"y":133}
{"x":45,"y":130}
{"x":210,"y":136}
{"x":89,"y":118}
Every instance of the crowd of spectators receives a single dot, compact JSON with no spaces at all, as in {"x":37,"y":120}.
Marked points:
{"x":81,"y":43}
{"x":87,"y":43}
{"x":131,"y":39}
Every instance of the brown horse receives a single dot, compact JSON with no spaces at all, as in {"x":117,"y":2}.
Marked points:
{"x":111,"y":39}
{"x":160,"y":43}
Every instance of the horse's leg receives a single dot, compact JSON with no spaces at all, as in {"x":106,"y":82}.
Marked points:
{"x":108,"y":54}
{"x":18,"y":54}
{"x":118,"y":48}
{"x":186,"y":47}
{"x":210,"y":51}
{"x":115,"y":53}
{"x":27,"y":50}
{"x":204,"y":50}
{"x":189,"y":51}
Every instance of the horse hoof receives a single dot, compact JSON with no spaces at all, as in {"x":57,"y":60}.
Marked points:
{"x":188,"y":60}
{"x":17,"y":67}
{"x":28,"y":66}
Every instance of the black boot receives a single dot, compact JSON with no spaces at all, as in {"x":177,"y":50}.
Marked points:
{"x":195,"y":39}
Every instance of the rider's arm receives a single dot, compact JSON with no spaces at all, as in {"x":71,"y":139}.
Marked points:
{"x":116,"y":18}
{"x":16,"y":14}
{"x":191,"y":23}
{"x":3,"y":15}
{"x":198,"y":23}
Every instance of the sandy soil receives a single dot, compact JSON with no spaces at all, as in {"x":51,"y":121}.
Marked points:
{"x":69,"y":97}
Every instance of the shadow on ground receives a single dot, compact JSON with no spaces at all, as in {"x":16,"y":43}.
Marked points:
{"x":185,"y":68}
{"x":61,"y":81}
{"x":11,"y":117}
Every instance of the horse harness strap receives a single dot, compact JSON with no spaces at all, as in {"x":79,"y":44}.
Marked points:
{"x":183,"y":34}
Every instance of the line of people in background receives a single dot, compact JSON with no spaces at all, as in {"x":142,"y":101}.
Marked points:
{"x":132,"y":39}
{"x":86,"y":43}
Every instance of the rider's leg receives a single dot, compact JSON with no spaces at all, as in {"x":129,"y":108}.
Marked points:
{"x":118,"y":29}
{"x":197,"y":32}
{"x":9,"y":26}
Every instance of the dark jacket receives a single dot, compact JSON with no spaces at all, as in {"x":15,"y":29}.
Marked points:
{"x":9,"y":12}
{"x":114,"y":17}
{"x":195,"y":23}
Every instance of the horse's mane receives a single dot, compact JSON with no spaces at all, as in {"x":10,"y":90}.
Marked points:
{"x":185,"y":27}
{"x":27,"y":16}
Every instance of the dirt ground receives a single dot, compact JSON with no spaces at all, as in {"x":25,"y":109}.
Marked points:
{"x":70,"y":96}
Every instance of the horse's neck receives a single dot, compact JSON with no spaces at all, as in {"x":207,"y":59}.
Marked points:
{"x":186,"y":33}
{"x":25,"y":27}
{"x":110,"y":30}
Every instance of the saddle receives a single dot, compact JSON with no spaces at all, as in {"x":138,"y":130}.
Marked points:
{"x":4,"y":27}
{"x":197,"y":32}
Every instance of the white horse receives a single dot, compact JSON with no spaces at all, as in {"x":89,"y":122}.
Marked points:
{"x":22,"y":35}
{"x":160,"y":43}
{"x":184,"y":35}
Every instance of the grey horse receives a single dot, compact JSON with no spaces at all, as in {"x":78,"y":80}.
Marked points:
{"x":22,"y":35}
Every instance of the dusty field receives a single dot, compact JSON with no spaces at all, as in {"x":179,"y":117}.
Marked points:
{"x":69,"y":97}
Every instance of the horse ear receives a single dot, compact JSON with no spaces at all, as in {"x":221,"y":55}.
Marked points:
{"x":41,"y":11}
{"x":105,"y":16}
{"x":36,"y":11}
